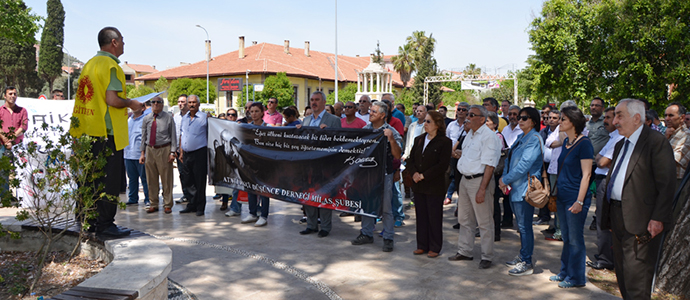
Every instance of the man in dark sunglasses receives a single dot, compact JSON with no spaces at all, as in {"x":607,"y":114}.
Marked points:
{"x":364,"y":104}
{"x":350,"y":120}
{"x":231,"y":115}
{"x":271,"y":116}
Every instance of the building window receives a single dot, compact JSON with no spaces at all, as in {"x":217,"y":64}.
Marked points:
{"x":128,"y":77}
{"x":331,"y":91}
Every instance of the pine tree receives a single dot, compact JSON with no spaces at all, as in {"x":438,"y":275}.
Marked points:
{"x":52,"y":38}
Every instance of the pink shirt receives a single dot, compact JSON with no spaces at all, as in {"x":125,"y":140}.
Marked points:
{"x":15,"y":119}
{"x":357,"y":123}
{"x":273,"y":119}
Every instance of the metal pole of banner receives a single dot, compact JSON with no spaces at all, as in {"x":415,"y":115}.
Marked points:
{"x":208,"y":58}
{"x":336,"y":50}
{"x":246,"y":86}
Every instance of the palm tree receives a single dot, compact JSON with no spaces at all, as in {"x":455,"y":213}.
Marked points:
{"x":403,"y":63}
{"x":417,"y":42}
{"x":472,"y":70}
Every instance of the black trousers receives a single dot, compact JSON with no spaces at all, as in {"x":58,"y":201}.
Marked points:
{"x":183,"y":174}
{"x":633,"y":263}
{"x":604,"y":243}
{"x":195,"y":165}
{"x":429,"y":211}
{"x":111,"y":183}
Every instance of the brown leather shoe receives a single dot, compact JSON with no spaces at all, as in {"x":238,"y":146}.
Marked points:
{"x":418,"y":252}
{"x":224,"y":207}
{"x":168,"y":210}
{"x":152,"y":209}
{"x":432,"y":254}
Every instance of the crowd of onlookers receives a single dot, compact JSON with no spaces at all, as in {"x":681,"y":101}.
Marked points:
{"x":484,"y":156}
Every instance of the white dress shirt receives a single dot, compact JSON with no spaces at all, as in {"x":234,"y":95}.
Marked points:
{"x":554,"y":136}
{"x":617,"y":191}
{"x":364,"y":118}
{"x":479,"y":149}
{"x":453,"y":130}
{"x":607,"y":151}
{"x":511,"y":134}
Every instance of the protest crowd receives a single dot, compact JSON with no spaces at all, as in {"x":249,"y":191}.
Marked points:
{"x":622,"y":159}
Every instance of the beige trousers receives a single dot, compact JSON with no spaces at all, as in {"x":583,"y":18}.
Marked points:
{"x":157,"y":165}
{"x":472,"y":214}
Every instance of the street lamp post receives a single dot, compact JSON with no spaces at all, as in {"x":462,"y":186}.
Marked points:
{"x":246,"y":86}
{"x":208,"y":58}
{"x":69,"y":69}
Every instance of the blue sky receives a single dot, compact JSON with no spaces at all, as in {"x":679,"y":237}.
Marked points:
{"x":490,"y":34}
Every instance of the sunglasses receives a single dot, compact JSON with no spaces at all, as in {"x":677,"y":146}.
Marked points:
{"x":157,"y":102}
{"x":349,"y":106}
{"x":523,"y":118}
{"x":427,"y":121}
{"x":271,"y":101}
{"x":363,"y":101}
{"x":513,"y":114}
{"x":472,"y":115}
{"x":462,"y":109}
{"x":232,"y":115}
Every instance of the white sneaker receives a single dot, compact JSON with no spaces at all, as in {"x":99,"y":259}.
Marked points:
{"x":261,"y":222}
{"x":249,"y":219}
{"x":232,"y":214}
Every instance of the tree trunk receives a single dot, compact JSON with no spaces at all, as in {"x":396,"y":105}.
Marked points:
{"x":673,"y":272}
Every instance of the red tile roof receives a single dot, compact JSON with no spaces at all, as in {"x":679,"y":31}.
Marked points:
{"x":270,"y":59}
{"x":142,"y":68}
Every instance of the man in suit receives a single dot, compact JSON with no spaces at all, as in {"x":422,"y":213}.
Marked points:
{"x":640,"y":187}
{"x":322,"y":119}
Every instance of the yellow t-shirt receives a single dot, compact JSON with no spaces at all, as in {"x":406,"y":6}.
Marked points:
{"x":90,"y":106}
{"x":501,"y":124}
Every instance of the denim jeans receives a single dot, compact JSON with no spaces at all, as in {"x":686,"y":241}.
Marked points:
{"x":253,"y":203}
{"x":398,"y":213}
{"x":368,"y":223}
{"x":136,"y":171}
{"x":572,"y":226}
{"x":234,"y":205}
{"x":523,"y":215}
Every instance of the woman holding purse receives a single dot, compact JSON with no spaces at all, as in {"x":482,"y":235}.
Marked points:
{"x":525,"y":158}
{"x":428,"y":161}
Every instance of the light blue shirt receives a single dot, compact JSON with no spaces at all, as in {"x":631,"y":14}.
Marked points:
{"x":617,"y":190}
{"x":132,"y":150}
{"x":316,"y":121}
{"x":193,"y":132}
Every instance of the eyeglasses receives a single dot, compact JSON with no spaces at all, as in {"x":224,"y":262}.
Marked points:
{"x":523,"y":118}
{"x":232,"y":115}
{"x":472,"y":115}
{"x":427,"y":121}
{"x":513,"y":114}
{"x":349,"y":106}
{"x":157,"y":102}
{"x":462,"y":109}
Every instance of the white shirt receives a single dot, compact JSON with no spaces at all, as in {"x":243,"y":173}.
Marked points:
{"x":607,"y":151}
{"x":178,"y":124}
{"x":547,"y":150}
{"x":511,"y":134}
{"x":364,"y":118}
{"x":617,"y":191}
{"x":454,"y":130}
{"x":555,"y":152}
{"x":414,"y":131}
{"x":479,"y":149}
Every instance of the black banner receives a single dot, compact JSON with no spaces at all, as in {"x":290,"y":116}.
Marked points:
{"x":340,"y":169}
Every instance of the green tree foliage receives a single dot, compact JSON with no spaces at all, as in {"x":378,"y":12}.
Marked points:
{"x":406,"y":97}
{"x":161,"y":84}
{"x":278,"y":86}
{"x":139,"y":91}
{"x":17,"y":23}
{"x":450,"y":98}
{"x":345,"y":94}
{"x":52,"y":38}
{"x":252,"y":95}
{"x":378,"y":55}
{"x":190,"y":87}
{"x":613,"y":49}
{"x":427,"y":66}
{"x":418,"y":42}
{"x":18,"y":67}
{"x":472,"y":70}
